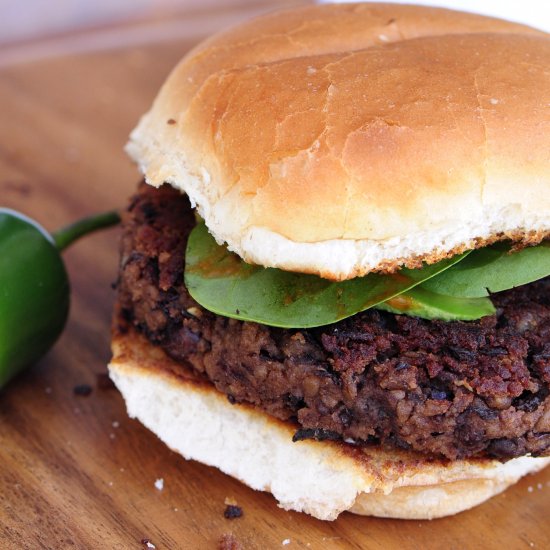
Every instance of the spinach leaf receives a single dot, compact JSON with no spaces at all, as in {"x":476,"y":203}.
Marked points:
{"x":224,"y":284}
{"x":493,"y":269}
{"x":422,"y":303}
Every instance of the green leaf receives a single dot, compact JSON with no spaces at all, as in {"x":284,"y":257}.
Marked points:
{"x":222,"y":283}
{"x":493,"y":269}
{"x":429,"y":305}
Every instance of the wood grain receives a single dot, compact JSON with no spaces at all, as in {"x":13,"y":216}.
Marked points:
{"x":75,"y":471}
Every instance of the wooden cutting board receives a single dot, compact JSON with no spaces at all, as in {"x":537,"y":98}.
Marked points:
{"x":75,"y":472}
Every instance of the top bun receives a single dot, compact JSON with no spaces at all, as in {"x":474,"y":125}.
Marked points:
{"x":344,"y":139}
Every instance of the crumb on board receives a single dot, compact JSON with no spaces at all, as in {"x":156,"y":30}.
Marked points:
{"x":286,"y":542}
{"x":116,"y":424}
{"x":232,"y":511}
{"x":147,"y":543}
{"x":228,"y":541}
{"x":159,"y":484}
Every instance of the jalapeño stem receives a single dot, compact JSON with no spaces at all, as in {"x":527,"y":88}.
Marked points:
{"x":65,"y":236}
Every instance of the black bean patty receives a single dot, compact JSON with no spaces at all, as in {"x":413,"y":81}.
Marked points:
{"x":452,"y":389}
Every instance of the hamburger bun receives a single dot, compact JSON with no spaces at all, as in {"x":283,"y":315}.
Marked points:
{"x":343,"y":139}
{"x":338,"y":140}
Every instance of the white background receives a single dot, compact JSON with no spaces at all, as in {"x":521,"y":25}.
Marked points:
{"x":530,"y":12}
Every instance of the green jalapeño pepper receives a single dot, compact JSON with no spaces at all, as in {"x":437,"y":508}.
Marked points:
{"x":34,"y":287}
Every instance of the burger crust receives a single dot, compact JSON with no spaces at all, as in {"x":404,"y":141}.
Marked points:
{"x":319,"y":478}
{"x":343,"y":139}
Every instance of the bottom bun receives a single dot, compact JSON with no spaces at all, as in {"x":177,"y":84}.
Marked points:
{"x":320,"y":478}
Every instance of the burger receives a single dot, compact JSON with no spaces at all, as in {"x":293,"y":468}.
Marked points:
{"x":334,"y":278}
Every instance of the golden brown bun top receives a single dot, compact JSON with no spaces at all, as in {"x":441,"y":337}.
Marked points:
{"x":340,"y":139}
